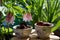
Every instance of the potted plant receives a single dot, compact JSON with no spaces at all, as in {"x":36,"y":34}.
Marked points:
{"x":43,"y":29}
{"x":23,"y":30}
{"x":41,"y":10}
{"x":46,"y":11}
{"x":52,"y":13}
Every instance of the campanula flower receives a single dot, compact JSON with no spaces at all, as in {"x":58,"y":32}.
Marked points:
{"x":10,"y":18}
{"x":27,"y":17}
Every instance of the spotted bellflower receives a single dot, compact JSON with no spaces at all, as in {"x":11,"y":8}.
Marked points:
{"x":27,"y":17}
{"x":10,"y":18}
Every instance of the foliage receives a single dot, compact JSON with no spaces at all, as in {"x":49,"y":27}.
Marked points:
{"x":52,"y":10}
{"x":56,"y":26}
{"x":14,"y":8}
{"x":3,"y":30}
{"x":52,"y":13}
{"x":1,"y":18}
{"x":18,"y":19}
{"x":41,"y":10}
{"x":44,"y":10}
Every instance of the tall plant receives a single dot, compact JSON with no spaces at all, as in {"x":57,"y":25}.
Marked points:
{"x":35,"y":7}
{"x":45,"y":10}
{"x":41,"y":10}
{"x":52,"y":12}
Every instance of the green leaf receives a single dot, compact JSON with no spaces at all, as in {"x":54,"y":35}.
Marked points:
{"x":19,"y":9}
{"x":5,"y":30}
{"x":56,"y":26}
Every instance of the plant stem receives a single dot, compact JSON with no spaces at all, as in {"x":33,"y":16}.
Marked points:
{"x":8,"y":31}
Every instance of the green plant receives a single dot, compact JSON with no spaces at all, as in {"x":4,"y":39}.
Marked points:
{"x":13,"y":6}
{"x":41,"y":10}
{"x":52,"y":13}
{"x":1,"y":20}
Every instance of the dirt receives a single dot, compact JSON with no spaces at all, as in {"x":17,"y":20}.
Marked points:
{"x":43,"y":24}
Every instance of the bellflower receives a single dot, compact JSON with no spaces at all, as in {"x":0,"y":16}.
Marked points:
{"x":27,"y":17}
{"x":10,"y":18}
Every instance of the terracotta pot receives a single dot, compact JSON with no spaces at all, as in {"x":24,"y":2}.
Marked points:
{"x":21,"y":33}
{"x":43,"y":31}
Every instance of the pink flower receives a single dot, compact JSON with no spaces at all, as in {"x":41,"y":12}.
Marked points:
{"x":10,"y":18}
{"x":27,"y":17}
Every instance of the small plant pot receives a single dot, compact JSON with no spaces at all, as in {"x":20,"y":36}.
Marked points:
{"x":23,"y":33}
{"x":43,"y":29}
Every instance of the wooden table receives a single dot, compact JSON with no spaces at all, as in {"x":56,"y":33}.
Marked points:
{"x":33,"y":36}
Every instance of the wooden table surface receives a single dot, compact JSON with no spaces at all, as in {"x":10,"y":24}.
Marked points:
{"x":33,"y":36}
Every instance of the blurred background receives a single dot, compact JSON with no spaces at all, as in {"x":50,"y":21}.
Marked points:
{"x":41,"y":10}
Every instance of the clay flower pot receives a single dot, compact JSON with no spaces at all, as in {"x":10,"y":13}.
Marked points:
{"x":23,"y":30}
{"x":43,"y":29}
{"x":22,"y":33}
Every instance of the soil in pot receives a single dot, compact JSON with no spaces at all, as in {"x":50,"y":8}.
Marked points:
{"x":23,"y":30}
{"x":23,"y":25}
{"x":43,"y":24}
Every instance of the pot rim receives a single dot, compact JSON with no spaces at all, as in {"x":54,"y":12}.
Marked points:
{"x":51,"y":24}
{"x":14,"y":27}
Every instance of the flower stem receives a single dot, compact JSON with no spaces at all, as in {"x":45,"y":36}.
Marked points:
{"x":8,"y":31}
